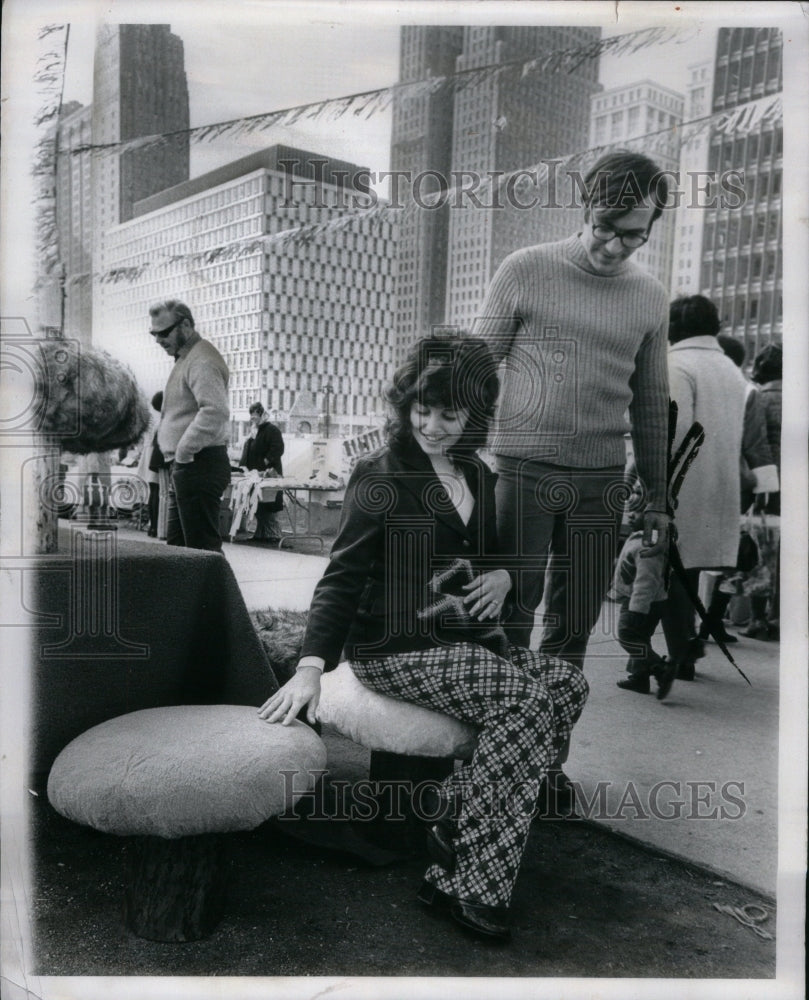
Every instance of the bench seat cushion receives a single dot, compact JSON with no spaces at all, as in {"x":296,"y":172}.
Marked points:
{"x":184,"y":770}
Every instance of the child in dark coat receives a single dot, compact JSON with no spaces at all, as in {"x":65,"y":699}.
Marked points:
{"x":639,"y":587}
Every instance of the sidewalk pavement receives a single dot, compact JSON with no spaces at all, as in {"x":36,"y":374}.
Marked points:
{"x":694,"y":775}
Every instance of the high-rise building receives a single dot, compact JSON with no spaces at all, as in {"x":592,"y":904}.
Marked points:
{"x":741,"y":266}
{"x":74,"y":219}
{"x":513,"y":120}
{"x":468,"y":129}
{"x":421,"y":141}
{"x":650,"y":113}
{"x":139,"y":89}
{"x":690,"y":218}
{"x":309,"y":321}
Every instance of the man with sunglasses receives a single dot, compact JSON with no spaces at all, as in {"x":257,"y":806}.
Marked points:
{"x":581,"y":331}
{"x":194,"y":427}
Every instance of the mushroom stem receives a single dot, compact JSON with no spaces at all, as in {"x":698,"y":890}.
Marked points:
{"x":175,"y":888}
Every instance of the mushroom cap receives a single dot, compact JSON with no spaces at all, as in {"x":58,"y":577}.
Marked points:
{"x":380,"y":722}
{"x":184,"y":770}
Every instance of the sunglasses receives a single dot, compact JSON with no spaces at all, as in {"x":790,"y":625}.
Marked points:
{"x":167,"y":331}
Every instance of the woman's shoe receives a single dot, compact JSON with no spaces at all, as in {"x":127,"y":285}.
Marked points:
{"x":440,"y":847}
{"x":431,"y":895}
{"x":436,"y":810}
{"x":488,"y":921}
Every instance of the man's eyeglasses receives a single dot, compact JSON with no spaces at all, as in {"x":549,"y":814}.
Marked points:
{"x":630,"y":240}
{"x":168,"y":329}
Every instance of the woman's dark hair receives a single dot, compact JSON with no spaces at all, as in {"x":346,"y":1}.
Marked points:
{"x":733,"y":347}
{"x":448,"y":370}
{"x":768,"y":364}
{"x":256,"y":408}
{"x":692,"y":316}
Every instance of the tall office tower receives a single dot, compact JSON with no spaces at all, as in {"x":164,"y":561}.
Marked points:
{"x":310,"y":320}
{"x":421,"y":141}
{"x":690,"y":219}
{"x":644,"y":116}
{"x":742,"y":247}
{"x":139,"y":89}
{"x":74,"y":216}
{"x":513,"y":120}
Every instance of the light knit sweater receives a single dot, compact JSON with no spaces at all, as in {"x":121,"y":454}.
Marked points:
{"x":580,"y":349}
{"x":195,"y":411}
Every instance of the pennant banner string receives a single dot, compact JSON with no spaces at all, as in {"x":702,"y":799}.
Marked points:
{"x":738,"y":121}
{"x":369,"y":102}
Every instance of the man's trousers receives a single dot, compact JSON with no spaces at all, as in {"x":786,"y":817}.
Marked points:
{"x":194,"y":497}
{"x":568,"y":520}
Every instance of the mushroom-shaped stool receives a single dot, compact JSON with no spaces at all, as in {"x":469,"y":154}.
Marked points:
{"x":174,"y":780}
{"x":379,"y":722}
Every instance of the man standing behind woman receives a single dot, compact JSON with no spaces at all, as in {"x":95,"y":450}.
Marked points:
{"x":581,"y":332}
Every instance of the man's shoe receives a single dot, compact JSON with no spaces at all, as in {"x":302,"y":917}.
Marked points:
{"x":696,"y":648}
{"x":635,"y":682}
{"x":685,"y":671}
{"x":664,"y":675}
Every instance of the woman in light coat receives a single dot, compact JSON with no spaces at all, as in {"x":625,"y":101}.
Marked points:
{"x":710,"y":389}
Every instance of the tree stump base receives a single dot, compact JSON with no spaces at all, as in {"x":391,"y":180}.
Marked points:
{"x":175,"y":888}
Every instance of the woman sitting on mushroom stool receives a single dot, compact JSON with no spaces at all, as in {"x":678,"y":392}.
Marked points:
{"x":416,"y":514}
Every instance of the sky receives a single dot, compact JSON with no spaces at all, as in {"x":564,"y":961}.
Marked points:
{"x":264,"y":60}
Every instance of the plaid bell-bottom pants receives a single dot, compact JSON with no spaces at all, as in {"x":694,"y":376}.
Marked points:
{"x":525,"y":709}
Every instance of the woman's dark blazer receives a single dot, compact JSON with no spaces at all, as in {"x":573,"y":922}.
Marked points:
{"x":398,"y":527}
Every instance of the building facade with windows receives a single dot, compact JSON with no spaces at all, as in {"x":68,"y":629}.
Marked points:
{"x":741,"y":261}
{"x":139,"y":89}
{"x":513,"y":120}
{"x":644,"y":116}
{"x":421,"y":146}
{"x":690,"y":218}
{"x":311,"y":315}
{"x":463,"y":131}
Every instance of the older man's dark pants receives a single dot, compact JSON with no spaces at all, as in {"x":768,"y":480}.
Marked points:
{"x":569,"y":518}
{"x":194,"y":498}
